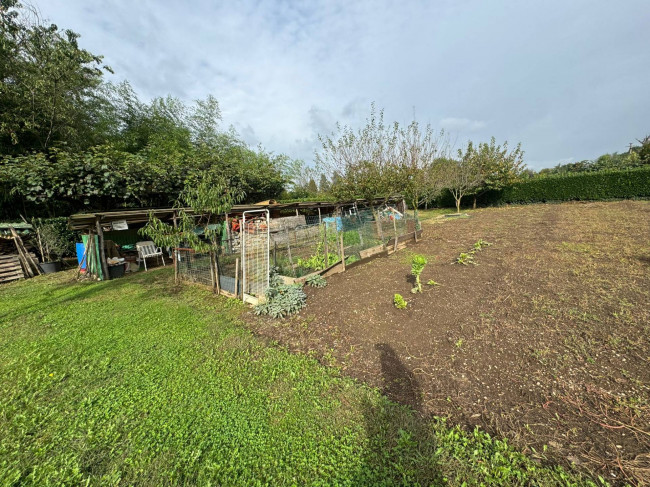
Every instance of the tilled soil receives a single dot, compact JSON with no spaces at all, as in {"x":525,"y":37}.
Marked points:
{"x":545,"y":341}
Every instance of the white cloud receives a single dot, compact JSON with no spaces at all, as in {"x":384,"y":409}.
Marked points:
{"x":285,"y":71}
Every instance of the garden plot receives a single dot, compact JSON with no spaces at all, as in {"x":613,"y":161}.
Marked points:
{"x":542,"y":337}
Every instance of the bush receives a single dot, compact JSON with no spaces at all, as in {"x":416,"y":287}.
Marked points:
{"x":281,"y":299}
{"x":316,"y":281}
{"x":601,"y":185}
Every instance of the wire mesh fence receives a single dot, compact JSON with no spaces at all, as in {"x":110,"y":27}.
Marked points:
{"x":297,"y":245}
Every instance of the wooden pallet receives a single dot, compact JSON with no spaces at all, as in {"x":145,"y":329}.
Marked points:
{"x":10,"y":268}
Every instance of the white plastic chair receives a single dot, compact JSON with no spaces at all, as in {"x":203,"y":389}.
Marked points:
{"x":148,"y":249}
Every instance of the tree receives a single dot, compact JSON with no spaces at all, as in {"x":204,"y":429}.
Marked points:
{"x":362,"y":159}
{"x":49,"y":84}
{"x":311,"y":187}
{"x":462,"y":175}
{"x":323,"y":184}
{"x":202,"y":200}
{"x":498,"y":166}
{"x":414,"y":163}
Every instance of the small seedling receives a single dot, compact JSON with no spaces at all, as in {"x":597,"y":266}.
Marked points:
{"x":459,"y":343}
{"x":399,"y":301}
{"x":466,"y":258}
{"x":480,"y":244}
{"x":431,"y":282}
{"x":417,"y":266}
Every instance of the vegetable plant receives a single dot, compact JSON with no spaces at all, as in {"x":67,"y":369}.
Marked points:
{"x":417,"y":266}
{"x":316,"y":281}
{"x":480,"y":244}
{"x":431,"y":282}
{"x":281,"y":299}
{"x":399,"y":301}
{"x":466,"y":258}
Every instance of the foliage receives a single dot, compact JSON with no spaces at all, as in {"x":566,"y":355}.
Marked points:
{"x":361,"y":159}
{"x":399,"y":301}
{"x":480,"y":243}
{"x":51,"y":242}
{"x":417,"y":266}
{"x":70,"y":141}
{"x":466,"y":258}
{"x":56,"y":231}
{"x":316,"y":281}
{"x":600,"y":185}
{"x":462,"y":176}
{"x":431,"y":282}
{"x":49,"y":84}
{"x":281,"y":299}
{"x":636,"y":156}
{"x":199,"y":203}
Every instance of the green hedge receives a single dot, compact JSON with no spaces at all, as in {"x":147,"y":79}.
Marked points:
{"x":601,"y":185}
{"x":585,"y":186}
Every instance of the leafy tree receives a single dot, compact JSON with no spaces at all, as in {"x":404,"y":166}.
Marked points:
{"x":362,"y":159}
{"x":311,"y":187}
{"x":462,"y":175}
{"x":49,"y":84}
{"x":323,"y":184}
{"x":498,"y":166}
{"x":414,"y":163}
{"x":202,"y":200}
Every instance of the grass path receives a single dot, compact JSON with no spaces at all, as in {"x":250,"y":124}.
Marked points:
{"x":139,"y":382}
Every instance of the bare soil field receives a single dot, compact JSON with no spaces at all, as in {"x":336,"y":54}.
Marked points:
{"x":545,"y":341}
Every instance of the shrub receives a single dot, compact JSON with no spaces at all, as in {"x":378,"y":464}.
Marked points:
{"x":281,"y":299}
{"x":601,"y":185}
{"x":399,"y":301}
{"x":316,"y":281}
{"x":417,"y":266}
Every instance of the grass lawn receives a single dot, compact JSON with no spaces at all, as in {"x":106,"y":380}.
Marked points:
{"x":138,"y":382}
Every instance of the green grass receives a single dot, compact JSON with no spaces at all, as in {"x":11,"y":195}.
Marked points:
{"x":139,"y":382}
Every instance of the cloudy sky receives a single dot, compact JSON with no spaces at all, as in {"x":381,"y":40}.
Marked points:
{"x":569,"y":79}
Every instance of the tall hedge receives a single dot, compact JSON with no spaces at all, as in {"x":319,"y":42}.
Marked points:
{"x":585,"y":186}
{"x":601,"y":185}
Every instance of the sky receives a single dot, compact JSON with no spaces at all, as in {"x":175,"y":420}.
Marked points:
{"x":568,"y":79}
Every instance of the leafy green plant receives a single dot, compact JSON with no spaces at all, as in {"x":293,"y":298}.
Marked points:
{"x":431,"y":282}
{"x":399,"y":301}
{"x":316,"y":281}
{"x":480,"y":244}
{"x":281,"y":299}
{"x":466,"y":258}
{"x":417,"y":266}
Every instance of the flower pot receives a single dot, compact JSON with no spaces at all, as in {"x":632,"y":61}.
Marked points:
{"x":115,"y":271}
{"x":50,"y":267}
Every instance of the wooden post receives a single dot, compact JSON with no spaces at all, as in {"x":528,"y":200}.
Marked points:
{"x":326,"y":248}
{"x":320,"y":220}
{"x":102,"y":252}
{"x":297,"y":212}
{"x":275,"y":253}
{"x":229,"y":235}
{"x":395,"y":230}
{"x":236,"y":277}
{"x":31,"y":268}
{"x":293,"y":270}
{"x":175,"y":252}
{"x":342,"y":250}
{"x":216,"y":273}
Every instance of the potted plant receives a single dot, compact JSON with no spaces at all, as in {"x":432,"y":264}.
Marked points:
{"x":51,"y":245}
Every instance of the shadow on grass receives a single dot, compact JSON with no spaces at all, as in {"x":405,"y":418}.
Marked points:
{"x":401,"y":446}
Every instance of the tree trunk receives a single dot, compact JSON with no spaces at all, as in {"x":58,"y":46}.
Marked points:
{"x":458,"y":205}
{"x":474,"y":204}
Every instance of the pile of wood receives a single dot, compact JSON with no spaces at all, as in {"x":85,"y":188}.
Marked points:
{"x":17,"y":265}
